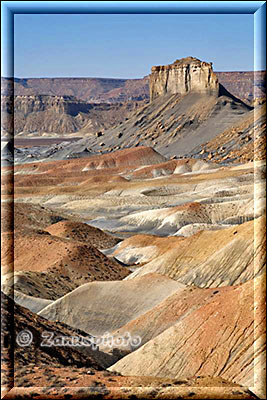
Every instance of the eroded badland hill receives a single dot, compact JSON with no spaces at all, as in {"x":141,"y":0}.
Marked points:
{"x":152,"y":229}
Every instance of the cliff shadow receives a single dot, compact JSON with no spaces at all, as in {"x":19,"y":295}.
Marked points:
{"x":224,"y":92}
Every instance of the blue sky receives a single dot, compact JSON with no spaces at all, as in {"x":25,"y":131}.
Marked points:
{"x":126,"y":46}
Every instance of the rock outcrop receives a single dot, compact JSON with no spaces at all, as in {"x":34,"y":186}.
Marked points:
{"x":183,"y":76}
{"x":39,"y":114}
{"x":246,"y":85}
{"x":59,"y":104}
{"x":93,"y":90}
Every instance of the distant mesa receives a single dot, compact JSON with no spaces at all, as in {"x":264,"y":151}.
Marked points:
{"x":185,"y":75}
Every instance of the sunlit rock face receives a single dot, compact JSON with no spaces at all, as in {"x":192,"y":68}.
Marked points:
{"x":183,"y":76}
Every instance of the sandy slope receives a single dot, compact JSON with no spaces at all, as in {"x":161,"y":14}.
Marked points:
{"x":224,"y":337}
{"x":175,"y":124}
{"x":75,"y":372}
{"x":49,"y":265}
{"x":242,"y":142}
{"x":81,"y":232}
{"x":100,"y":307}
{"x":213,"y":258}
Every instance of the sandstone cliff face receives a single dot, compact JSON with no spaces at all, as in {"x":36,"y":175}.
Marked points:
{"x":183,"y":76}
{"x":58,"y":104}
{"x":60,"y":114}
{"x":93,"y":90}
{"x":247,"y":86}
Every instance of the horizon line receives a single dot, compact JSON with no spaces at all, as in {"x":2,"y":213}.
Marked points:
{"x":111,"y":78}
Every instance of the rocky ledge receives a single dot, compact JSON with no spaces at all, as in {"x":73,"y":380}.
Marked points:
{"x":183,"y":76}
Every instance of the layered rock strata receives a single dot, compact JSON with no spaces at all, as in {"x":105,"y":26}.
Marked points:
{"x":183,"y":76}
